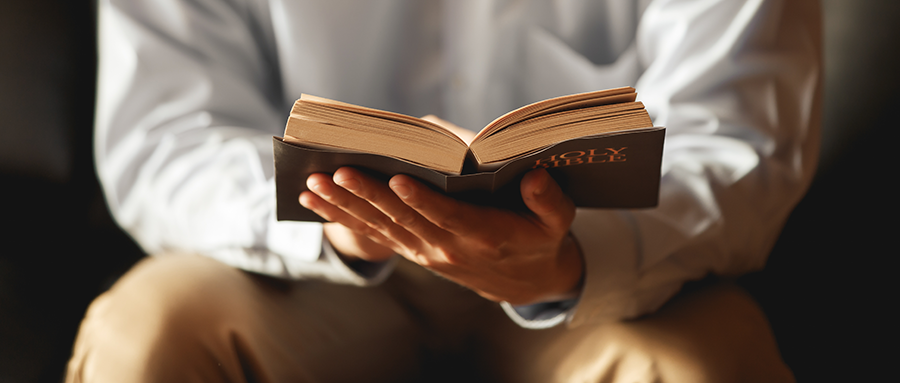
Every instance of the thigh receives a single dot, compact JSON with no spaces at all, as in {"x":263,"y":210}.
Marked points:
{"x":715,"y":334}
{"x":190,"y":318}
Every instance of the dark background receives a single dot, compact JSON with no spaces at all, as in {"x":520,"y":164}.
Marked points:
{"x":825,"y":288}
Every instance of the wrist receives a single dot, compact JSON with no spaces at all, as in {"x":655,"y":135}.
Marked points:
{"x":569,"y":278}
{"x":572,"y":261}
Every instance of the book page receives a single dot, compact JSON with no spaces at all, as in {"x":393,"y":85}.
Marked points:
{"x":321,"y":122}
{"x":557,"y":104}
{"x":379,"y":114}
{"x":464,"y":134}
{"x":558,"y":123}
{"x":440,"y":145}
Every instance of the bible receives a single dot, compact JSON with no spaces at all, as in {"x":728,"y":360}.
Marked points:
{"x":601,"y":148}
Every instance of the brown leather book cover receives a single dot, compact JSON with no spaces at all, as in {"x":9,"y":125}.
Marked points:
{"x":610,"y":171}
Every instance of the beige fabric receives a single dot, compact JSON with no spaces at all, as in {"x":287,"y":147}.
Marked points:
{"x":192,"y":319}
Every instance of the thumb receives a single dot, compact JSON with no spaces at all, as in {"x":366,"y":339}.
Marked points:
{"x":547,"y":201}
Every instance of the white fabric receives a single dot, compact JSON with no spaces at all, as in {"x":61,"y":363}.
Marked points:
{"x":190,"y":93}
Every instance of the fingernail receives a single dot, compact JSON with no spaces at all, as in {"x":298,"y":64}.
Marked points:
{"x":305,"y":202}
{"x":350,"y":184}
{"x":401,"y":190}
{"x":320,"y":190}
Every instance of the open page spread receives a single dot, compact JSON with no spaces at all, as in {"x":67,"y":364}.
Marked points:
{"x":320,"y":122}
{"x":600,"y":147}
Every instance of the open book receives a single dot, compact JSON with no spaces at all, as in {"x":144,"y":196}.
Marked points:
{"x":601,"y":147}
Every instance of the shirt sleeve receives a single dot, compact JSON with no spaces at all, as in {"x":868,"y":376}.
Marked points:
{"x":737,"y":84}
{"x":189,"y":97}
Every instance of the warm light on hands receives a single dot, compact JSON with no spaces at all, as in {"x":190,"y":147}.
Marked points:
{"x":519,"y":258}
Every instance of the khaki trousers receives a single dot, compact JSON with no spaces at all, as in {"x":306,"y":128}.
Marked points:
{"x":192,"y":319}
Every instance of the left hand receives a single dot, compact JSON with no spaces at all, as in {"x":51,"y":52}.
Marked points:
{"x":520,"y":258}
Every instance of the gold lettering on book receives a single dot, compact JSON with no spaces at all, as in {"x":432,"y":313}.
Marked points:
{"x":580,"y":157}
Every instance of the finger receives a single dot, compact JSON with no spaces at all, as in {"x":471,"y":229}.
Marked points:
{"x":332,"y":213}
{"x":543,"y":196}
{"x":381,"y":197}
{"x":323,"y":186}
{"x":351,"y":244}
{"x":444,"y":212}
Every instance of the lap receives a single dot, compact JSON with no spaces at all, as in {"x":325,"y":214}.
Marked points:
{"x":714,"y":334}
{"x":187,"y":312}
{"x":174,"y":317}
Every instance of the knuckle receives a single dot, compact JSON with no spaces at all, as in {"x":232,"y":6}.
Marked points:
{"x":451,"y":222}
{"x":451,"y":258}
{"x":417,"y":201}
{"x":494,"y":246}
{"x":423,"y":260}
{"x":358,"y":227}
{"x":369,"y":231}
{"x":379,"y":222}
{"x":373,"y":196}
{"x":397,"y":232}
{"x":407,"y":219}
{"x":341,"y":201}
{"x":492,"y":243}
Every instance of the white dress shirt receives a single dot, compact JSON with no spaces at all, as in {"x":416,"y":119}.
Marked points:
{"x":191,"y":92}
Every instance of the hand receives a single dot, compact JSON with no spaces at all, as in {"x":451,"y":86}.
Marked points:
{"x":352,"y":239}
{"x":502,"y":255}
{"x":352,"y":245}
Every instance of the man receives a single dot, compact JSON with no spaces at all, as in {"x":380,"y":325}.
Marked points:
{"x":191,"y":92}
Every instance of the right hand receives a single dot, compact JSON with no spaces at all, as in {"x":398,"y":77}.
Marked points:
{"x":517,"y":257}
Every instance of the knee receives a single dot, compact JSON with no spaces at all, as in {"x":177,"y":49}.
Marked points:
{"x":714,"y":335}
{"x":164,"y":291}
{"x":162,"y":306}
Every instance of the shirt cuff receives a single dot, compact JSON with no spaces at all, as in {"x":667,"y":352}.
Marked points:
{"x":299,"y":250}
{"x":541,"y":315}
